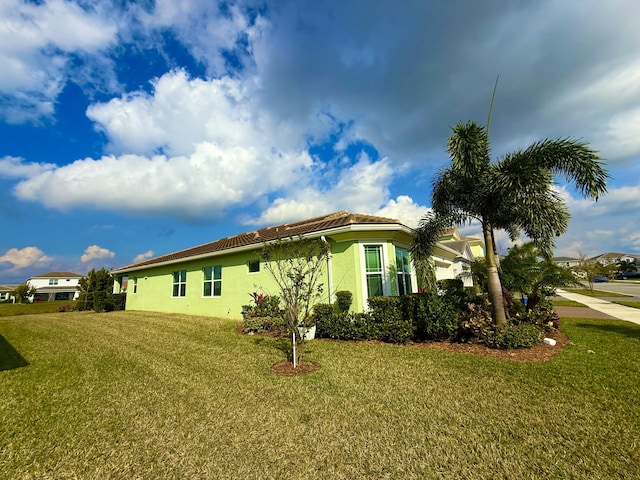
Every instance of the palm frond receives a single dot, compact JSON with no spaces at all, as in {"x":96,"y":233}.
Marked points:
{"x":573,"y":159}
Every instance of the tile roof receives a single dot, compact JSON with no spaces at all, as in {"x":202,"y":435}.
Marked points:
{"x":58,"y":275}
{"x":268,"y":234}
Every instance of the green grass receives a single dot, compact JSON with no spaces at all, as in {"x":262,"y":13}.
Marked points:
{"x":566,"y":303}
{"x":11,"y":309}
{"x":629,"y":304}
{"x":595,"y":293}
{"x":147,"y":395}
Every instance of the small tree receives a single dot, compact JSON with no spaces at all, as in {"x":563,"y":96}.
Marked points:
{"x":525,"y":271}
{"x":296,"y":266}
{"x":23,"y":291}
{"x":96,"y":292}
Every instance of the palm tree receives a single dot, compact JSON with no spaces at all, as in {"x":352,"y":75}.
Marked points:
{"x":626,"y":266}
{"x":524,"y":272}
{"x":514,"y":193}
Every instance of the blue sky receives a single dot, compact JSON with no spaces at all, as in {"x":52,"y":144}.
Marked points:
{"x":133,"y":129}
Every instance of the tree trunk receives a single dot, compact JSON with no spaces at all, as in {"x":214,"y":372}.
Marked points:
{"x":493,"y":279}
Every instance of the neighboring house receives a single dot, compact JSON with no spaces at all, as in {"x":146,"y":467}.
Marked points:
{"x":613,"y":257}
{"x":369,"y":256}
{"x":5,"y":292}
{"x":452,"y":259}
{"x":566,"y":261}
{"x":55,"y":286}
{"x":476,"y":245}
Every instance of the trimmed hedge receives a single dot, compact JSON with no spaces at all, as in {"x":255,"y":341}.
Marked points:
{"x":433,"y":317}
{"x":508,"y":337}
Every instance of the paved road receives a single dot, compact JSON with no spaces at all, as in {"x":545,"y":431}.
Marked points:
{"x":619,"y":287}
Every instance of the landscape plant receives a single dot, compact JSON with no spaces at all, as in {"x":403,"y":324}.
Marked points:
{"x":96,"y":292}
{"x":296,"y":266}
{"x":515,"y":193}
{"x":22,"y":292}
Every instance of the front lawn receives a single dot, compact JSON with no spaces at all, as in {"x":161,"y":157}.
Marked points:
{"x":10,"y":309}
{"x":628,"y":304}
{"x":149,"y":395}
{"x":595,"y":293}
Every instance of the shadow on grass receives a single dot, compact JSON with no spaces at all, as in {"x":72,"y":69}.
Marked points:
{"x":9,"y":356}
{"x":630,"y":331}
{"x":280,"y":343}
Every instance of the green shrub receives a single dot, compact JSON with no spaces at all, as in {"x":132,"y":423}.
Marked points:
{"x":475,"y":321}
{"x":344,"y":299}
{"x":263,"y":306}
{"x":387,"y":319}
{"x":452,"y":290}
{"x":433,"y":317}
{"x":543,"y":316}
{"x":514,"y":336}
{"x":346,"y":326}
{"x":274,"y":325}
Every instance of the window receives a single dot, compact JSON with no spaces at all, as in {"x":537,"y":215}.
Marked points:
{"x":403,"y":271}
{"x":53,"y":281}
{"x":212,"y":283}
{"x":135,"y":285}
{"x":180,"y":283}
{"x":373,"y":269}
{"x":254,"y":266}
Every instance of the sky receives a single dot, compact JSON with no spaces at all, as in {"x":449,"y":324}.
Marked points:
{"x":133,"y":129}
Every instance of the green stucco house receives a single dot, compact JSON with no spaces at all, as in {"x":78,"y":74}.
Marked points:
{"x":369,"y":256}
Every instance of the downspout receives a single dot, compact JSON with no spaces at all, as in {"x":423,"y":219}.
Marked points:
{"x":329,"y":270}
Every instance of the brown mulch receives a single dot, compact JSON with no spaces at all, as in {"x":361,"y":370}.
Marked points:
{"x":540,"y":352}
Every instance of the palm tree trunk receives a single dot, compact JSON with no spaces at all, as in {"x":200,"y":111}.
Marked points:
{"x":493,"y":279}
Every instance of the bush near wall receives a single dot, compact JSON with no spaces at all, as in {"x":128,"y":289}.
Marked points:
{"x":427,"y":316}
{"x":433,"y":317}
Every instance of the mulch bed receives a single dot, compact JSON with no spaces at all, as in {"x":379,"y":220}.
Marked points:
{"x":540,"y":352}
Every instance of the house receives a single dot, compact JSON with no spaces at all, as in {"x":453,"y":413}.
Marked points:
{"x":567,"y":262}
{"x":613,"y":257}
{"x":5,"y":292}
{"x":451,"y":260}
{"x":369,"y":256}
{"x":55,"y":286}
{"x":476,"y":245}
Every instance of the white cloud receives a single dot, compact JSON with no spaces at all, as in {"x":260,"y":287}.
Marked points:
{"x":143,"y":256}
{"x":35,"y":43}
{"x":361,"y":188}
{"x":404,"y":209}
{"x":16,"y":167}
{"x":203,"y":27}
{"x":25,"y":257}
{"x":221,"y":151}
{"x":94,"y":252}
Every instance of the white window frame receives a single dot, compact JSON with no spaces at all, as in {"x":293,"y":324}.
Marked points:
{"x":249,"y":267}
{"x":412,"y":273}
{"x":179,"y":283}
{"x":213,"y":281}
{"x":386,"y":283}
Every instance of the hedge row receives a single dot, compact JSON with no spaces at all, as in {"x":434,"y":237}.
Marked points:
{"x":391,"y":319}
{"x":425,"y":316}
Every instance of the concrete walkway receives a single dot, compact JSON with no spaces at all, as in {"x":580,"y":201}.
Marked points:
{"x":615,"y":310}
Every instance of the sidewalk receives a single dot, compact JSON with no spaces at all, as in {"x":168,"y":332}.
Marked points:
{"x":615,"y":310}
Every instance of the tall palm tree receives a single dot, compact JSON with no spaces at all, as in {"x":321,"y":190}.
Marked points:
{"x":514,"y":193}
